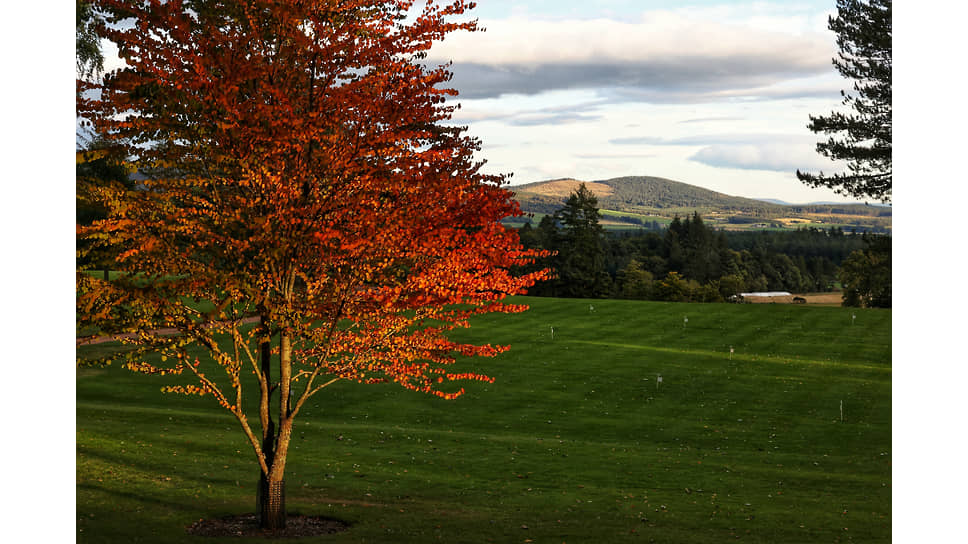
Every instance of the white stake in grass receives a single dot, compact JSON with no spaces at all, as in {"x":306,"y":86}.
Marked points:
{"x":658,"y":380}
{"x":685,"y":320}
{"x":730,"y":353}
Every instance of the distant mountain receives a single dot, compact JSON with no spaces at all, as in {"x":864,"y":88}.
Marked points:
{"x":822,"y":203}
{"x":828,"y":203}
{"x":773,"y":201}
{"x":646,"y":199}
{"x":632,"y":193}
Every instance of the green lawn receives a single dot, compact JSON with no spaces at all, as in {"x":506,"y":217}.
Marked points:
{"x":575,"y":442}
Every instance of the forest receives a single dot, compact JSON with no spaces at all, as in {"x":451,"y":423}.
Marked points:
{"x":691,"y":261}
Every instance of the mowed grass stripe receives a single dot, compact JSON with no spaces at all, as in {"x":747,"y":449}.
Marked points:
{"x":717,"y":355}
{"x":575,"y":440}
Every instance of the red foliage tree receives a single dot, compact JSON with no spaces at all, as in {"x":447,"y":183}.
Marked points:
{"x":299,"y":171}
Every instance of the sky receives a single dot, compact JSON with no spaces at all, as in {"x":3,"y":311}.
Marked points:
{"x":714,"y":93}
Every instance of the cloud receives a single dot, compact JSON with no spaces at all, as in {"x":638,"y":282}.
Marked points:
{"x":736,"y":92}
{"x":778,"y":157}
{"x":709,"y":139}
{"x":664,"y":57}
{"x":614,"y":156}
{"x":112,"y":57}
{"x":709,"y":119}
{"x":580,"y":112}
{"x":530,"y":120}
{"x":681,"y":80}
{"x":765,"y":151}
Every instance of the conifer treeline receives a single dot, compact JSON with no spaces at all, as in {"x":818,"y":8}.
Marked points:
{"x":689,"y":261}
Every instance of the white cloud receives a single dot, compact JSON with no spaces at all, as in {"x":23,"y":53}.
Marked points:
{"x":775,"y":157}
{"x":710,"y":139}
{"x":679,"y":55}
{"x":549,"y":109}
{"x":552,"y":119}
{"x":112,"y":58}
{"x":774,"y":152}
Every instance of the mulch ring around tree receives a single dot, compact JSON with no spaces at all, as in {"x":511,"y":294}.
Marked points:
{"x":247,"y":525}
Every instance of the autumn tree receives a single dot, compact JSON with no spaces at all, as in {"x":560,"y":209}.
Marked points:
{"x":862,"y":135}
{"x":96,"y":167}
{"x":301,"y":176}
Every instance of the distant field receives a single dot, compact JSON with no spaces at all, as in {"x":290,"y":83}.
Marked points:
{"x":663,"y":216}
{"x":826,"y":299}
{"x":657,"y":197}
{"x":772,"y":424}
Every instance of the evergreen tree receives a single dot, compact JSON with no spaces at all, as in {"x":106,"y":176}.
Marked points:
{"x":862,"y":137}
{"x":544,"y":237}
{"x":89,"y":59}
{"x":547,"y":233}
{"x":581,"y":258}
{"x":702,"y":252}
{"x":672,"y":244}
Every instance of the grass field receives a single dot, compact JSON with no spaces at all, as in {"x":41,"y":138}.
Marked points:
{"x":786,"y":439}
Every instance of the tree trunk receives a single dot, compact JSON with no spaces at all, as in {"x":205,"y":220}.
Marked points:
{"x":271,"y":503}
{"x":272,"y":499}
{"x":271,"y":495}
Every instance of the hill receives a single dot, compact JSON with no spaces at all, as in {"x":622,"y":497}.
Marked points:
{"x":642,"y":192}
{"x":647,"y":200}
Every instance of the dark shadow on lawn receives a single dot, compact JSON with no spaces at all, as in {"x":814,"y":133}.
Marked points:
{"x":247,"y":525}
{"x":139,"y":497}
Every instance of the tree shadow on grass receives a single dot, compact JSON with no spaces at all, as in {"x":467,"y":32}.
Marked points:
{"x":233,"y":525}
{"x":247,"y":525}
